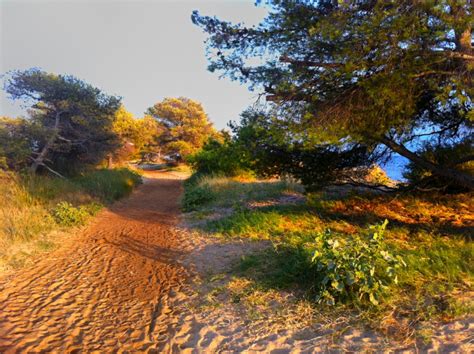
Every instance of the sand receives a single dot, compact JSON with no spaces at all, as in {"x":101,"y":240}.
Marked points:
{"x":133,"y":280}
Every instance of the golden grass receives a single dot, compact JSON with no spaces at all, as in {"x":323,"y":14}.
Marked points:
{"x":27,"y":227}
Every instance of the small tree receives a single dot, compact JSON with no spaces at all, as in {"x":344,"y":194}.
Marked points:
{"x":185,"y":126}
{"x":76,"y":119}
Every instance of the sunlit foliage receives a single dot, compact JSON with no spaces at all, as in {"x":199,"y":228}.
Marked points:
{"x":185,"y":125}
{"x":138,"y":136}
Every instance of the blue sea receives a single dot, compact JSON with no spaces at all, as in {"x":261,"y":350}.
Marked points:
{"x":395,"y":166}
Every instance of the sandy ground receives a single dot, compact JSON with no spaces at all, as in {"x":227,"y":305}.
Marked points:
{"x":230,"y":327}
{"x":134,"y":281}
{"x":109,"y":287}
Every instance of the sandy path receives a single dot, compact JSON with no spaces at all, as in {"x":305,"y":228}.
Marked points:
{"x":133,"y":281}
{"x":109,"y":288}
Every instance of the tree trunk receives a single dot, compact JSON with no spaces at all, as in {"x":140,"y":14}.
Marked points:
{"x":39,"y":160}
{"x":461,"y":178}
{"x":110,"y":162}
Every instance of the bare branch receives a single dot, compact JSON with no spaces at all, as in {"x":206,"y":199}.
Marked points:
{"x":464,"y":56}
{"x":52,"y":171}
{"x":309,"y":63}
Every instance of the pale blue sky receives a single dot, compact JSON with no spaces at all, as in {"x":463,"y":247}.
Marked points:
{"x":140,"y":50}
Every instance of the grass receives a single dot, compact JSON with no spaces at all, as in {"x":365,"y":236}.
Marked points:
{"x":34,"y":209}
{"x":183,"y":168}
{"x":207,"y":192}
{"x":432,"y":234}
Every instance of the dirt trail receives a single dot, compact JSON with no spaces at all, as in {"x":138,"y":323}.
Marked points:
{"x":109,"y":288}
{"x":132,"y":281}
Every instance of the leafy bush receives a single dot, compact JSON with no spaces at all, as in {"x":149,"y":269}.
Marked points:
{"x":360,"y":267}
{"x":223,"y":158}
{"x":66,"y":214}
{"x":196,"y":194}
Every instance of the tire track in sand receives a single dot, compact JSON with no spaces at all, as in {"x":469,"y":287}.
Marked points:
{"x":107,"y":289}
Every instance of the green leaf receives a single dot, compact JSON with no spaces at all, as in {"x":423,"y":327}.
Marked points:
{"x":350,"y":279}
{"x":337,"y":285}
{"x":372,"y":299}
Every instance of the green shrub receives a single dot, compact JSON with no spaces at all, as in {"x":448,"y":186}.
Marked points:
{"x":66,"y":214}
{"x":195,"y":196}
{"x":224,"y":158}
{"x":355,"y":268}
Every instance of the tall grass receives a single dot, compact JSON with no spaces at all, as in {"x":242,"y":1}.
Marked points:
{"x":32,"y":207}
{"x":108,"y":185}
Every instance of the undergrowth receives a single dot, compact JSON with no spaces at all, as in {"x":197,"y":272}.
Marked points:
{"x":420,"y":269}
{"x":34,"y":208}
{"x":219,"y":191}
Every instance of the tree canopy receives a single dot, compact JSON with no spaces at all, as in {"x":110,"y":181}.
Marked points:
{"x":392,"y":76}
{"x":137,"y":135}
{"x":75,"y":119}
{"x":185,"y":126}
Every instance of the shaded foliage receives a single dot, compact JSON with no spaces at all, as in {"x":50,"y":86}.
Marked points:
{"x":16,"y":143}
{"x":459,"y":155}
{"x":74,"y":120}
{"x":220,"y":156}
{"x":372,"y":73}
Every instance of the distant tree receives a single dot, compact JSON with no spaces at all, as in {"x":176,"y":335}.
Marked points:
{"x":76,"y":119}
{"x":150,"y":132}
{"x":384,"y":74}
{"x":185,"y":126}
{"x":137,"y":136}
{"x":125,"y":125}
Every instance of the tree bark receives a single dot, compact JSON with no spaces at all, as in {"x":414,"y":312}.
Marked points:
{"x":461,"y":178}
{"x":39,"y":160}
{"x":110,"y":162}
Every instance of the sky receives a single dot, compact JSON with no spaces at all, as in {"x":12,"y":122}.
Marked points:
{"x":141,"y":50}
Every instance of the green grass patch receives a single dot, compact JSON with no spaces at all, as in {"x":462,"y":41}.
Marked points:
{"x":428,"y":236}
{"x":109,"y":185}
{"x":204,"y":191}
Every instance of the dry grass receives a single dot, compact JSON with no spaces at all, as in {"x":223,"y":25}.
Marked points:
{"x":27,"y":204}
